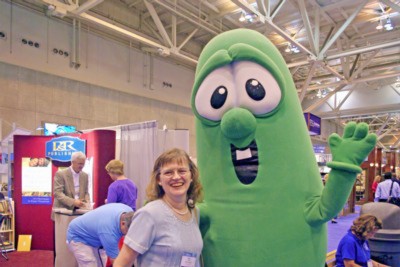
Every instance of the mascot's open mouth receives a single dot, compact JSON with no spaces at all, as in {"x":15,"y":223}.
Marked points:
{"x":245,"y":161}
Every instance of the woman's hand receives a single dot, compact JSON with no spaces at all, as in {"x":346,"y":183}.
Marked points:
{"x":350,"y":263}
{"x":126,"y":257}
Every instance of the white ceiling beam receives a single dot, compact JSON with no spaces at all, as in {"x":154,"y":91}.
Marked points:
{"x":307,"y":25}
{"x":363,"y":49}
{"x":321,"y":55}
{"x":329,"y":105}
{"x":153,"y":31}
{"x":267,"y":5}
{"x":396,"y":144}
{"x":366,"y":71}
{"x":210,"y":6}
{"x":338,"y":4}
{"x":316,"y":29}
{"x":363,"y":111}
{"x":332,"y":70}
{"x":385,"y":133}
{"x":324,"y":99}
{"x":278,"y":7}
{"x":173,"y":30}
{"x":324,"y":14}
{"x":159,"y":25}
{"x":378,"y":132}
{"x":355,"y":62}
{"x":129,"y":34}
{"x":345,"y":98}
{"x":394,"y":89}
{"x":355,"y":81}
{"x":187,"y":39}
{"x":250,"y":9}
{"x":202,"y":24}
{"x":379,"y":144}
{"x":344,"y":61}
{"x":364,"y":64}
{"x":86,"y":6}
{"x":307,"y":82}
{"x":346,"y":16}
{"x":351,"y":52}
{"x":394,"y":6}
{"x":261,"y":7}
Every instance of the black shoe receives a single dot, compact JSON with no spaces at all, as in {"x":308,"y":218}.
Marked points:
{"x":333,"y":221}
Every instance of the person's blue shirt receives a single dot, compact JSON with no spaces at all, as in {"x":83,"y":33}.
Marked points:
{"x":99,"y":228}
{"x":353,"y":248}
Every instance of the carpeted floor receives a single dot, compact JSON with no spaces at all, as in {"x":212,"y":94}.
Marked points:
{"x":44,"y":258}
{"x":337,"y":230}
{"x":34,"y":258}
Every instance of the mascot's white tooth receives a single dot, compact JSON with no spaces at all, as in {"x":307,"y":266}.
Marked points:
{"x":243,"y":154}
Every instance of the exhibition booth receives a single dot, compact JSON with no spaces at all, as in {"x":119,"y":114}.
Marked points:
{"x":32,"y":181}
{"x":36,"y":159}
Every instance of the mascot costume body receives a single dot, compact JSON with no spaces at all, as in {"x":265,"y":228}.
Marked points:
{"x":265,"y":204}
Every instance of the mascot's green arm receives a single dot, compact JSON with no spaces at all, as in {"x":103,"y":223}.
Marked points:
{"x":347,"y":153}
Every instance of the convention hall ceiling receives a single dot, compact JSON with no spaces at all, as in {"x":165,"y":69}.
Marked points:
{"x":331,"y":46}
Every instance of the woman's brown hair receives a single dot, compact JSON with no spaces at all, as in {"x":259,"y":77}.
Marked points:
{"x":365,"y":224}
{"x":155,"y":191}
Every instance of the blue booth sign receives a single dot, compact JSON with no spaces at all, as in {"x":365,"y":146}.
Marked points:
{"x":313,"y":124}
{"x":61,"y":148}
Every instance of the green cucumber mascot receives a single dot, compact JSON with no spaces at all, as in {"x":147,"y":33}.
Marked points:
{"x":264,"y":204}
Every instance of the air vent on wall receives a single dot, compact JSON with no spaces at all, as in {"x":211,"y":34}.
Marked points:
{"x":30,"y":43}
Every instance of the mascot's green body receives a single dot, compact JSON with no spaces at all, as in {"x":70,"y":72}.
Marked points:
{"x":264,"y":200}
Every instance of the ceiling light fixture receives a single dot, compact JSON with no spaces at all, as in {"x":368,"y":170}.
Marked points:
{"x":388,"y":25}
{"x":242,"y":18}
{"x":380,"y":25}
{"x":292,"y":49}
{"x":247,"y":17}
{"x":288,"y":48}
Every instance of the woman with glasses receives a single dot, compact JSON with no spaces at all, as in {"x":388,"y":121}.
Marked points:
{"x":122,"y":190}
{"x":165,"y":232}
{"x":353,"y":249}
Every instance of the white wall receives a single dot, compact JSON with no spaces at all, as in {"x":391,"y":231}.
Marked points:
{"x":105,"y":62}
{"x":364,"y":99}
{"x":110,"y":87}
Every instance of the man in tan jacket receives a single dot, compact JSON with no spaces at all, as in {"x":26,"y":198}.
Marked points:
{"x":71,"y":185}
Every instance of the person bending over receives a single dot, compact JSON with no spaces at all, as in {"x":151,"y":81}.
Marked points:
{"x":95,"y":235}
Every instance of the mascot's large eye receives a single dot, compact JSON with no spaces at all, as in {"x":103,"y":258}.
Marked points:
{"x":257,"y":89}
{"x":216,"y":94}
{"x":219,"y":96}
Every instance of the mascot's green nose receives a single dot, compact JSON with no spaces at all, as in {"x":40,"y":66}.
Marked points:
{"x":238,"y":123}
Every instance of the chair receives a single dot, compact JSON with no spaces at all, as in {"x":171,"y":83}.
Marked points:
{"x":2,"y":246}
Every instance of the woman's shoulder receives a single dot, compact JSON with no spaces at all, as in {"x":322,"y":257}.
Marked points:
{"x":155,"y":205}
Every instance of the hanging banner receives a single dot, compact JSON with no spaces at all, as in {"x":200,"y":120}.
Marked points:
{"x":61,"y":148}
{"x":36,"y":181}
{"x":313,"y":124}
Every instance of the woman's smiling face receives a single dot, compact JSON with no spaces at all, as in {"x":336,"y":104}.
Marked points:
{"x":175,"y":179}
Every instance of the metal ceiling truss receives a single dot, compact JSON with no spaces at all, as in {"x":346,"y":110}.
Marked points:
{"x":335,"y":49}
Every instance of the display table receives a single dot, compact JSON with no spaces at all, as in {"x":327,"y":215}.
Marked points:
{"x":62,"y":218}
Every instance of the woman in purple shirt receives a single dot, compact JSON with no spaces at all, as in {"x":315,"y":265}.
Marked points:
{"x":122,"y":190}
